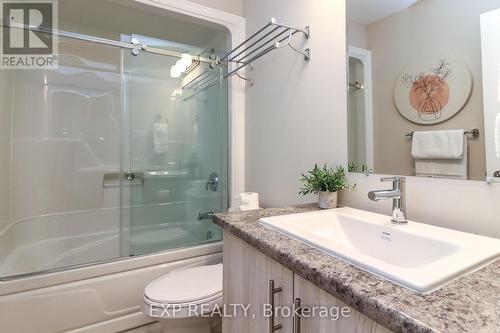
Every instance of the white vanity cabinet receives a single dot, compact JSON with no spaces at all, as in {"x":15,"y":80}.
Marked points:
{"x":248,"y":278}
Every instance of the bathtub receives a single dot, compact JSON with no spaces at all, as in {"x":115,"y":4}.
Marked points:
{"x":70,"y":295}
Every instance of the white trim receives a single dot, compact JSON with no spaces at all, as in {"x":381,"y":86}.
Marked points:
{"x":236,"y":26}
{"x":115,"y":325}
{"x":365,"y":56}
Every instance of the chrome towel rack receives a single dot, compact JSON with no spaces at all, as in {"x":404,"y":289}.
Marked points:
{"x":474,"y":132}
{"x":271,"y":37}
{"x":201,"y":82}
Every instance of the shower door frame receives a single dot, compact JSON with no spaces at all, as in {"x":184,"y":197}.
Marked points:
{"x":236,"y":87}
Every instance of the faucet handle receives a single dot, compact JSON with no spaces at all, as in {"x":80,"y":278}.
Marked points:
{"x":398,"y":179}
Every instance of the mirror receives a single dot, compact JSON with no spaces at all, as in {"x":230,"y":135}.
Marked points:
{"x":424,"y":88}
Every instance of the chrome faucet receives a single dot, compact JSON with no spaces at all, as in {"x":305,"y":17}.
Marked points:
{"x":398,"y":196}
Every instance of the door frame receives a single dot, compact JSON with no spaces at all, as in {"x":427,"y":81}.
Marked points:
{"x":236,"y":87}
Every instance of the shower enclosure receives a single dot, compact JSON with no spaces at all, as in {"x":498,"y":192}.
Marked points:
{"x":108,"y":156}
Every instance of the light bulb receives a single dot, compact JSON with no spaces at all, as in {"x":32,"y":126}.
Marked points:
{"x":186,"y":60}
{"x":175,"y":71}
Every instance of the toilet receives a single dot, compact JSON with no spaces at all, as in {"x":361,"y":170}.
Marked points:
{"x":183,"y":301}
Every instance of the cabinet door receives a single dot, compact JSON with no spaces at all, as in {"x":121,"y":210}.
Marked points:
{"x":247,"y":273}
{"x":312,"y":296}
{"x":283,"y":300}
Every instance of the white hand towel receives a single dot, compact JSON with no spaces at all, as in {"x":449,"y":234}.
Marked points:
{"x":444,"y":168}
{"x":438,"y":145}
{"x":160,"y":136}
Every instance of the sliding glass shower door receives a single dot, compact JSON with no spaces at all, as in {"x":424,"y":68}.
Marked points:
{"x":60,"y":157}
{"x":174,"y":157}
{"x":107,"y":157}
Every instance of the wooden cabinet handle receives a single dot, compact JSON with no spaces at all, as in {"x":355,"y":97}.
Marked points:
{"x":273,"y":291}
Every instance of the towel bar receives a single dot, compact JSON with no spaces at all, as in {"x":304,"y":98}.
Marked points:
{"x":474,"y":132}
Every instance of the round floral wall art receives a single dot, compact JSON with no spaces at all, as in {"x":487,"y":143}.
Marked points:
{"x":433,"y":90}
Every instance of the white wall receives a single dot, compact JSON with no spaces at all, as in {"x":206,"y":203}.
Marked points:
{"x":296,"y":110}
{"x":230,"y":6}
{"x":357,"y":34}
{"x":296,"y":116}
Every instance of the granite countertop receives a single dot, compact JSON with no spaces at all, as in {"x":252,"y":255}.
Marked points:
{"x":469,"y":304}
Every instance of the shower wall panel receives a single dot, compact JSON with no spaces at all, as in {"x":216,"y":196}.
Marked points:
{"x":5,"y":133}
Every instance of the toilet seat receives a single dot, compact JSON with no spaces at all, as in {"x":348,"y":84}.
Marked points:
{"x":190,"y":292}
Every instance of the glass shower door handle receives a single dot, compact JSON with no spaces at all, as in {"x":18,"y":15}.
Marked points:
{"x":212,"y":183}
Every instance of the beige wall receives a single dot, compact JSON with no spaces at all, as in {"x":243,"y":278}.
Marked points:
{"x":395,"y":41}
{"x":5,"y":133}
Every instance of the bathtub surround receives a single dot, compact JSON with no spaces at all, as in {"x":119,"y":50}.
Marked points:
{"x":6,"y":91}
{"x":93,"y":297}
{"x":151,"y":328}
{"x":157,"y":328}
{"x":60,"y":155}
{"x":466,"y":305}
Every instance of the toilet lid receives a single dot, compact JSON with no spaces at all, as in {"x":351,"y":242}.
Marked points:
{"x":186,"y":286}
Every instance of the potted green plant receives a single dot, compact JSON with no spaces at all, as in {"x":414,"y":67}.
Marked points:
{"x":326,"y":182}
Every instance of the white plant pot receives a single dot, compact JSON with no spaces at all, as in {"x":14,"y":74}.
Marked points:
{"x":328,"y":200}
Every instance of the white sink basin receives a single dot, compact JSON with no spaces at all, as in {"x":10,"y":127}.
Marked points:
{"x":417,"y":256}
